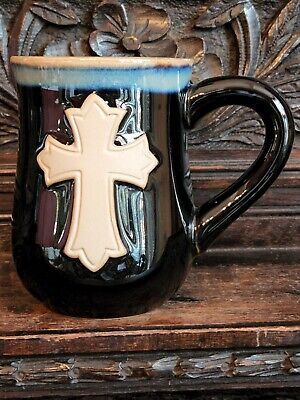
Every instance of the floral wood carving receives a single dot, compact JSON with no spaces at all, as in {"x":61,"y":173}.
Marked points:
{"x":131,"y":31}
{"x":117,"y":28}
{"x":260,"y":54}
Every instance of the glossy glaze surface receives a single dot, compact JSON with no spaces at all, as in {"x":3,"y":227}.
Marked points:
{"x":152,"y":222}
{"x":159,"y":225}
{"x":160,"y":75}
{"x":215,"y":215}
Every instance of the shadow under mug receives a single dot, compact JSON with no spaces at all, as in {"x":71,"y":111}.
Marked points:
{"x":104,"y":223}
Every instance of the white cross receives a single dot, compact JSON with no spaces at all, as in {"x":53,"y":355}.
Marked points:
{"x":94,"y":162}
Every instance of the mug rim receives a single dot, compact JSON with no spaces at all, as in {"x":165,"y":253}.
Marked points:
{"x":44,"y":62}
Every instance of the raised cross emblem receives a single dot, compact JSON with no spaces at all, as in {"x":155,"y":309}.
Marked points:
{"x":94,"y":162}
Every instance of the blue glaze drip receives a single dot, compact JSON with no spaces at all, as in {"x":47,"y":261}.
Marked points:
{"x":156,"y":79}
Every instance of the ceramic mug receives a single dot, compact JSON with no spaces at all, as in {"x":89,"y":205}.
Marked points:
{"x":104,"y":223}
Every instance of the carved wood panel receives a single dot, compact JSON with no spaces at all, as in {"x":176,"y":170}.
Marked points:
{"x":154,"y":372}
{"x":244,"y":37}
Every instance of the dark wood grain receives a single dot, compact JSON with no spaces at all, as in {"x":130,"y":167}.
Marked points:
{"x":196,"y":395}
{"x":225,"y":305}
{"x":241,"y":394}
{"x":235,"y":324}
{"x":229,"y":327}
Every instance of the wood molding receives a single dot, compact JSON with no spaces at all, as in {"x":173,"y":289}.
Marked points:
{"x":140,"y":372}
{"x":242,"y":394}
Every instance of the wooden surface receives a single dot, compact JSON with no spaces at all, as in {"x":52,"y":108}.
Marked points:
{"x":225,"y":305}
{"x":235,"y":323}
{"x":230,"y":326}
{"x":244,"y":395}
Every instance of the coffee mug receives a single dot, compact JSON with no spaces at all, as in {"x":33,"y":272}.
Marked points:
{"x":104,"y":223}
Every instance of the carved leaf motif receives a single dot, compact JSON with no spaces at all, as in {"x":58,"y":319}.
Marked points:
{"x":247,"y":31}
{"x":9,"y":124}
{"x":287,"y":82}
{"x":210,"y":66}
{"x":280,"y":29}
{"x":219,"y":13}
{"x":80,"y":48}
{"x":279,"y":41}
{"x":279,"y":57}
{"x":165,"y":47}
{"x":58,"y":48}
{"x":106,"y":44}
{"x":110,"y":16}
{"x":242,"y":16}
{"x":148,"y":23}
{"x":243,"y":128}
{"x":9,"y":121}
{"x":245,"y":131}
{"x":191,"y":47}
{"x":24,"y":32}
{"x":3,"y":41}
{"x":55,"y":11}
{"x":296,"y":114}
{"x":31,"y":20}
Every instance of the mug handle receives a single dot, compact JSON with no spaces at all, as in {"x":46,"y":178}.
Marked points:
{"x":210,"y":219}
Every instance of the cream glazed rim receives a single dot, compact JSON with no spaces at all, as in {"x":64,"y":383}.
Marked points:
{"x":100,"y":62}
{"x":157,"y":74}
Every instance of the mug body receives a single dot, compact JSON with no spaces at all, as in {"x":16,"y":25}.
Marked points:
{"x":103,"y":197}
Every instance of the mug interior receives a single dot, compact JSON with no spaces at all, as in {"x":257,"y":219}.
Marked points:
{"x":154,"y":73}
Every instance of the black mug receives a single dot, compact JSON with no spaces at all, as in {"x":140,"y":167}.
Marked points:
{"x":104,"y":223}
